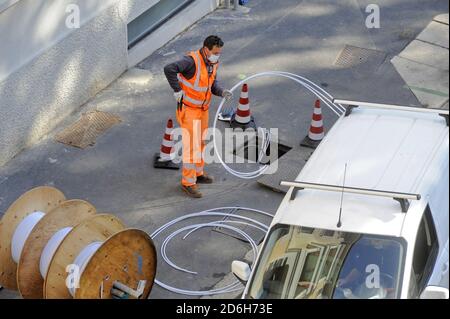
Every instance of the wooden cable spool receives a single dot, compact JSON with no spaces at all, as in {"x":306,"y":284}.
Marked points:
{"x":127,"y":256}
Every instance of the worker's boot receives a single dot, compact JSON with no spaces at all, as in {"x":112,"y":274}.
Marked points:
{"x":192,"y":191}
{"x":205,"y":179}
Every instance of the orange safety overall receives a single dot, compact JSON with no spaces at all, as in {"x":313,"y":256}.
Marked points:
{"x":193,"y":117}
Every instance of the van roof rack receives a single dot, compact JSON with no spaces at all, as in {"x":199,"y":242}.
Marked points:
{"x":354,"y":104}
{"x":402,"y":198}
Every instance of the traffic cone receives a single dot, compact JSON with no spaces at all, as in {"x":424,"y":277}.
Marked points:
{"x":243,"y":118}
{"x":316,"y":132}
{"x":166,"y":156}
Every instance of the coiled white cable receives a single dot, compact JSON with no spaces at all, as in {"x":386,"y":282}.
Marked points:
{"x":22,"y":233}
{"x":50,"y":249}
{"x":323,"y":95}
{"x":194,"y":228}
{"x":79,"y":263}
{"x":217,"y":212}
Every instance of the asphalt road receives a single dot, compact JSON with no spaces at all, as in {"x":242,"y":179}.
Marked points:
{"x":303,"y":37}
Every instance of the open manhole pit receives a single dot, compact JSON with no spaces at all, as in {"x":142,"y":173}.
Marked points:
{"x":250,"y":149}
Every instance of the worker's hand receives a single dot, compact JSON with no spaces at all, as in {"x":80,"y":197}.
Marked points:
{"x":227,"y":94}
{"x":178,"y":96}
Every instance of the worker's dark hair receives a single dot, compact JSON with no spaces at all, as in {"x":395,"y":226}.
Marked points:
{"x":212,"y":41}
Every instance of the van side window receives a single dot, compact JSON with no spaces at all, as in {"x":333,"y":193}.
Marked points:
{"x":425,"y":253}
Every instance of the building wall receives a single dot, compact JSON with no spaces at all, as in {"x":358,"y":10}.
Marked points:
{"x":30,"y":27}
{"x":169,"y":30}
{"x":48,"y":71}
{"x":136,"y":7}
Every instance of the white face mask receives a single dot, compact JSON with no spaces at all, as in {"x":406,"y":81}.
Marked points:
{"x":214,"y":58}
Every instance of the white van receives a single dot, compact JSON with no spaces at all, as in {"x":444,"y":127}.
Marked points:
{"x":384,"y":234}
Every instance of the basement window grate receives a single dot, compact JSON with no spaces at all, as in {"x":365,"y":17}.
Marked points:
{"x":85,"y":131}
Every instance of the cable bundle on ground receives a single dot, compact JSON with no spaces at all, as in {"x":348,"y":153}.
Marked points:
{"x":228,"y":221}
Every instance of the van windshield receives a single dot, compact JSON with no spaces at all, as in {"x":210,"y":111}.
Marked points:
{"x":309,"y":263}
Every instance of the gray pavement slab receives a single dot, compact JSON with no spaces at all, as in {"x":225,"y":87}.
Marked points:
{"x":424,"y":64}
{"x":304,"y":37}
{"x":401,"y":21}
{"x":435,"y":33}
{"x":429,"y":84}
{"x":441,"y":18}
{"x":427,"y":54}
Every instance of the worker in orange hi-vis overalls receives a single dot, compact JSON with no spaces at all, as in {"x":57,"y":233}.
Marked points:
{"x":194,"y":81}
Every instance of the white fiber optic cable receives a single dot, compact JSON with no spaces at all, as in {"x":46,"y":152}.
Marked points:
{"x":50,"y":250}
{"x":82,"y":260}
{"x":323,"y":95}
{"x":22,"y":233}
{"x":217,"y":212}
{"x":199,"y":226}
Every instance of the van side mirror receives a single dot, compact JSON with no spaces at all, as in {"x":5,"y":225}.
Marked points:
{"x":434,"y":292}
{"x":241,"y":270}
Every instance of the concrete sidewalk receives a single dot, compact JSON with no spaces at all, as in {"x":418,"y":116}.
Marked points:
{"x":303,"y":37}
{"x":424,"y":64}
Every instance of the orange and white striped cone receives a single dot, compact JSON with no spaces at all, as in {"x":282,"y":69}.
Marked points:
{"x":166,"y":156}
{"x":316,"y":131}
{"x":243,"y":118}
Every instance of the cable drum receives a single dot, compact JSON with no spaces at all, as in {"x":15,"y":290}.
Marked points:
{"x":50,"y":249}
{"x":82,"y":260}
{"x":42,"y":233}
{"x":24,"y":230}
{"x":319,"y":92}
{"x":22,"y":233}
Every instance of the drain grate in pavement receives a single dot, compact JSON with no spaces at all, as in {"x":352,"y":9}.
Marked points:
{"x":85,"y":131}
{"x":352,"y":56}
